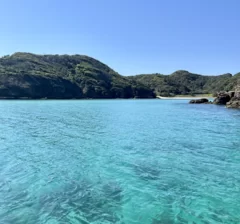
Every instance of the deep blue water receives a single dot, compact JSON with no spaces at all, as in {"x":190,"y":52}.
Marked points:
{"x":119,"y":161}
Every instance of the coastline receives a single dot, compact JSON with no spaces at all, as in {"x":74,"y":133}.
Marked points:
{"x":70,"y":99}
{"x":185,"y":97}
{"x":156,"y":98}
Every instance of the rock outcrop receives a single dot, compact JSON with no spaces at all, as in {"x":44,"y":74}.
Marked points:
{"x":235,"y":99}
{"x":198,"y":101}
{"x":234,"y":103}
{"x":230,"y":99}
{"x":222,"y":98}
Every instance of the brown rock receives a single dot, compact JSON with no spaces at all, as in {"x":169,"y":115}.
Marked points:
{"x":234,"y":102}
{"x":222,"y":98}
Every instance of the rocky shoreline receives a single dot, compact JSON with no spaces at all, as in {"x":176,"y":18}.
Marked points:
{"x":234,"y":101}
{"x":230,"y":99}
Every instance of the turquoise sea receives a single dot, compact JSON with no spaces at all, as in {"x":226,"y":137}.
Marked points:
{"x":118,"y":161}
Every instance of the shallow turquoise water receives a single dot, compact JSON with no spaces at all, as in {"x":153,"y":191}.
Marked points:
{"x":119,"y":161}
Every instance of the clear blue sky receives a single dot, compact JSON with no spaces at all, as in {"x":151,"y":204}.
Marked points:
{"x":131,"y":36}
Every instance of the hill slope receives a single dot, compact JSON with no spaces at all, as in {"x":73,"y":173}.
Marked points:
{"x":63,"y":76}
{"x":184,"y":82}
{"x":77,"y":76}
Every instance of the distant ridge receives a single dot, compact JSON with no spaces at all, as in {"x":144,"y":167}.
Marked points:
{"x":27,"y":75}
{"x":183,"y":82}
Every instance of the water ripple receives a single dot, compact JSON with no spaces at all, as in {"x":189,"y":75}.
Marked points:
{"x":123,"y":162}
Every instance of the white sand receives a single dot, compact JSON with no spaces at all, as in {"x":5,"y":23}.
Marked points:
{"x":183,"y":97}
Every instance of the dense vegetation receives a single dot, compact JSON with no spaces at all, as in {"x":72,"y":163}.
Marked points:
{"x":63,"y":76}
{"x":183,"y":82}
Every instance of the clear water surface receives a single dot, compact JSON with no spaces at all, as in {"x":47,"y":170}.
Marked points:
{"x":119,"y":161}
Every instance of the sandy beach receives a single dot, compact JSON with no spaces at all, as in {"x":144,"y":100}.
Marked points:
{"x":185,"y":97}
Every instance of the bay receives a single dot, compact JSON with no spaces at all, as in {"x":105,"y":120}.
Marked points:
{"x":118,"y":161}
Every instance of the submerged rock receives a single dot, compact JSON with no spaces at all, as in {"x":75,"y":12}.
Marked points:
{"x":113,"y":191}
{"x":87,"y":202}
{"x":198,"y":101}
{"x":147,"y":171}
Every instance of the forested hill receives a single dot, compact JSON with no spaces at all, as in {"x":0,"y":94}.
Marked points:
{"x":77,"y":76}
{"x":63,"y":76}
{"x":184,"y":82}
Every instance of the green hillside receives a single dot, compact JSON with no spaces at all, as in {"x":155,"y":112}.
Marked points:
{"x":64,"y":76}
{"x":183,"y":82}
{"x":77,"y":76}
